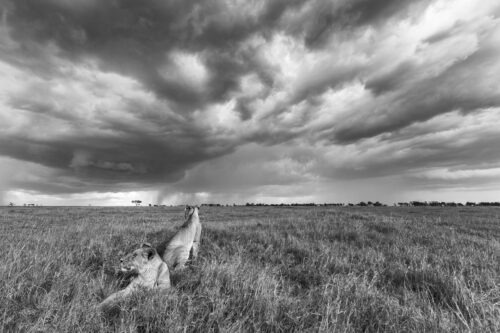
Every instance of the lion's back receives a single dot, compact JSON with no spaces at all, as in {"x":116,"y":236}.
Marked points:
{"x":184,"y":237}
{"x":178,"y":248}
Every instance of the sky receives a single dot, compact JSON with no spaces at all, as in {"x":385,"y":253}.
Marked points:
{"x":175,"y":102}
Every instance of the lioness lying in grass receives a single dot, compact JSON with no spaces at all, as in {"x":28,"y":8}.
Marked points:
{"x":152,"y":272}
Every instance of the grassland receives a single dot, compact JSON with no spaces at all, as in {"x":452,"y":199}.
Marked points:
{"x":260,"y":269}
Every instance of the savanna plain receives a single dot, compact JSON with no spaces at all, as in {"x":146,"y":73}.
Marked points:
{"x":260,"y":269}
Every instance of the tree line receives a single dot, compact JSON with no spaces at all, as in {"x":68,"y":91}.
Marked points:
{"x":365,"y":204}
{"x":447,"y":204}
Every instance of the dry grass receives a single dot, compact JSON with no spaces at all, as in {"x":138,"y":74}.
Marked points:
{"x":260,"y":269}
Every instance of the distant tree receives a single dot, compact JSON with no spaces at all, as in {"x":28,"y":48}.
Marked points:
{"x":11,"y":204}
{"x":137,"y":202}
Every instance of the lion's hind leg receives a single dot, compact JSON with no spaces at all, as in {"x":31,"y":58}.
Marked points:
{"x":170,"y":257}
{"x":176,"y":257}
{"x":181,"y":256}
{"x":194,"y":250}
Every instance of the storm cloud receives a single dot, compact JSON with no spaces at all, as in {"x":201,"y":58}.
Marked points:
{"x":248,"y":100}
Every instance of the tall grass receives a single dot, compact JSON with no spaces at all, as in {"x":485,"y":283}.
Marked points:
{"x":260,"y":269}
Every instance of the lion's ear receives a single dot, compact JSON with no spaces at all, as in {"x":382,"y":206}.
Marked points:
{"x":150,"y":252}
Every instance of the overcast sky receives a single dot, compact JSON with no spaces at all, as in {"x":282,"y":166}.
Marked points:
{"x":104,"y":102}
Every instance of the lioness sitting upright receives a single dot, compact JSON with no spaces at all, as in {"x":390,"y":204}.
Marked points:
{"x":152,"y":272}
{"x":186,"y":239}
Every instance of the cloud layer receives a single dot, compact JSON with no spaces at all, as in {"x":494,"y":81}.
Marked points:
{"x":249,"y":100}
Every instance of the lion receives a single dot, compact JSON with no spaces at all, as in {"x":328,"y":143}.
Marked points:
{"x":185,"y":241}
{"x":152,"y":272}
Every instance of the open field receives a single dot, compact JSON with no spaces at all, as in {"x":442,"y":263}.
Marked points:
{"x":261,"y":269}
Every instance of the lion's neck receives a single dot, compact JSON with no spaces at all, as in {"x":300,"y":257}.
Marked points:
{"x":192,"y":219}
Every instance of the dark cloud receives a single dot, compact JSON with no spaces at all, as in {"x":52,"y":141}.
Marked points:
{"x":327,"y":17}
{"x":126,"y":37}
{"x":373,"y":11}
{"x":135,"y":38}
{"x":472,"y":153}
{"x":392,"y":80}
{"x":126,"y":159}
{"x":450,"y":91}
{"x":444,"y":34}
{"x":147,"y":146}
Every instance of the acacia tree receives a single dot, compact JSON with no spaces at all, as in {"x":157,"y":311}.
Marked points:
{"x":137,"y":202}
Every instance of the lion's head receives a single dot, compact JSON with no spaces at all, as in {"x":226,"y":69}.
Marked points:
{"x":189,"y":210}
{"x":133,"y":262}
